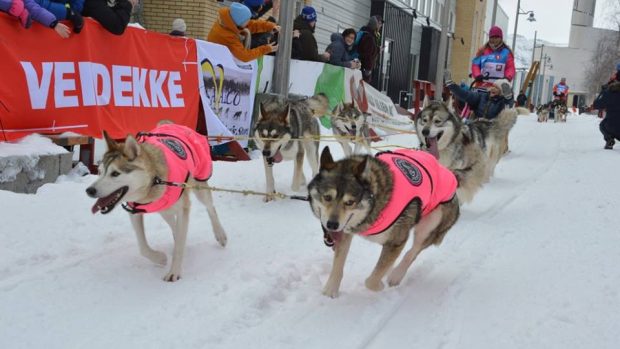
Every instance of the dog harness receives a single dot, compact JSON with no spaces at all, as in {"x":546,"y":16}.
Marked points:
{"x":187,"y":153}
{"x":416,"y":174}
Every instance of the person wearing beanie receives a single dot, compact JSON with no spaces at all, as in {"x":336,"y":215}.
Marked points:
{"x":305,"y":47}
{"x":369,"y":46}
{"x":609,"y":99}
{"x":113,"y":18}
{"x":178,"y":27}
{"x":260,"y":7}
{"x":234,"y":29}
{"x":486,"y":105}
{"x":493,"y":61}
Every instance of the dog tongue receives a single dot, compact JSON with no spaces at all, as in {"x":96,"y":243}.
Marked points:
{"x":277,"y":157}
{"x":431,"y":144}
{"x":97,"y":206}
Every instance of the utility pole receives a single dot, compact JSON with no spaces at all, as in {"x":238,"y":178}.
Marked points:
{"x":543,"y":78}
{"x":282,"y":65}
{"x":443,"y":47}
{"x":494,"y":13}
{"x":514,"y":36}
{"x":534,"y":48}
{"x":540,"y":81}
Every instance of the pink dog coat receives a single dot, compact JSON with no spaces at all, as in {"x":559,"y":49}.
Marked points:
{"x":187,"y":154}
{"x":416,"y":174}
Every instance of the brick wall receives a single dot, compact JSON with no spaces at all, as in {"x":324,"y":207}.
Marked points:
{"x":199,"y":15}
{"x":470,"y":16}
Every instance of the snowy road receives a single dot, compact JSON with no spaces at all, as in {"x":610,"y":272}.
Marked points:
{"x":532,"y":263}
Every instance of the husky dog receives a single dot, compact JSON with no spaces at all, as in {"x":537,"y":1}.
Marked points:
{"x":141,"y":172}
{"x":382,"y":199}
{"x":278,"y":133}
{"x":542,"y":111}
{"x":348,"y":121}
{"x":471,"y":150}
{"x":560,"y":113}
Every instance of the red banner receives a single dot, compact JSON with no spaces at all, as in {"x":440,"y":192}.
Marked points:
{"x":94,"y":80}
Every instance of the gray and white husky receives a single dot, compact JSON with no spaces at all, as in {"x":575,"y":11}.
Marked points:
{"x":286,"y":130}
{"x":350,"y":124}
{"x":470,"y":150}
{"x":350,"y":196}
{"x":128,"y":173}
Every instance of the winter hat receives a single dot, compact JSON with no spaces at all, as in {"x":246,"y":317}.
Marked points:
{"x":308,"y":14}
{"x":496,"y":31}
{"x":179,"y":25}
{"x":253,"y":3}
{"x":240,"y":13}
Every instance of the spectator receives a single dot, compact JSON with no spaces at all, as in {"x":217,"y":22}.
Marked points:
{"x":304,"y":43}
{"x":487,"y":104}
{"x":494,"y":60}
{"x":234,"y":25}
{"x":339,"y":49}
{"x":609,"y":99}
{"x":178,"y":27}
{"x":521,"y":99}
{"x":369,"y":46}
{"x":113,"y":18}
{"x":28,"y":10}
{"x":69,"y":10}
{"x":260,"y":7}
{"x":560,"y":93}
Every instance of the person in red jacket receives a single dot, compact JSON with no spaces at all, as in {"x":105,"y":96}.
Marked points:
{"x":560,"y":92}
{"x":494,"y":60}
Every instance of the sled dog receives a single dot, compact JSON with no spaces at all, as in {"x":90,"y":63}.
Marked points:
{"x":350,"y":122}
{"x":560,"y":113}
{"x":542,"y":111}
{"x":382,"y":198}
{"x":287,"y":129}
{"x":470,"y":150}
{"x":146,"y":172}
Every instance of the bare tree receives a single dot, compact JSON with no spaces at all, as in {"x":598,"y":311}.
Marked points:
{"x":607,"y":51}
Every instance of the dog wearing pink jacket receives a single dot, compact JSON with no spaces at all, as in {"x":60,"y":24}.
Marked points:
{"x":383,"y":198}
{"x":154,"y":172}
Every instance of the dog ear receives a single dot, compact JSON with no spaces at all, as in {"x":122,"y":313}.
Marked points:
{"x":360,"y":168}
{"x":327,"y":161}
{"x":426,"y":102}
{"x":337,"y":109}
{"x":262,"y":111}
{"x":450,"y":105}
{"x":284,"y":116}
{"x":111,"y":143}
{"x":132,"y":148}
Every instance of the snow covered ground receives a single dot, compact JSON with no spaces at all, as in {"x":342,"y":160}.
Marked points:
{"x":532,"y":263}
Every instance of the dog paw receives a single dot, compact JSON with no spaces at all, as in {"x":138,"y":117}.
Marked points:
{"x":221,"y":238}
{"x":374,"y":285}
{"x":172,"y":277}
{"x":395,"y":277}
{"x":157,"y":257}
{"x":269,"y":197}
{"x":331,"y":292}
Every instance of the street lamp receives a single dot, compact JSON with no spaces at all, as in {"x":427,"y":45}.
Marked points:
{"x":529,"y":18}
{"x":546,"y":62}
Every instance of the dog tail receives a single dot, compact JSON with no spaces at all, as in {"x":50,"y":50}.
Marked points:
{"x":506,"y":119}
{"x":523,"y":111}
{"x":319,"y":104}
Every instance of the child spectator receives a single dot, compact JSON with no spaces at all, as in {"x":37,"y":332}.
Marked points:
{"x":340,"y":48}
{"x":234,"y":25}
{"x":28,"y":10}
{"x":178,"y":27}
{"x":306,"y":47}
{"x":69,"y":10}
{"x":113,"y":18}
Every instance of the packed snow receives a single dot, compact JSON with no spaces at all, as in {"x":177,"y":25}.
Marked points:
{"x":532,"y":263}
{"x":24,"y":156}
